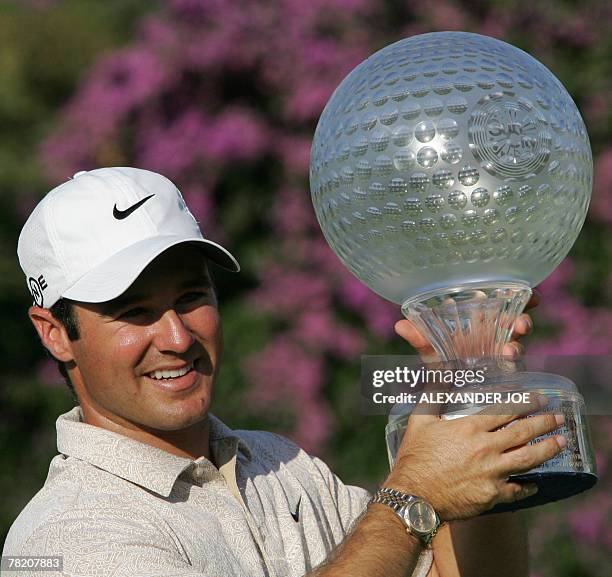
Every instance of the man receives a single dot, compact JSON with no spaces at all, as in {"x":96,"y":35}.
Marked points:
{"x":149,"y":482}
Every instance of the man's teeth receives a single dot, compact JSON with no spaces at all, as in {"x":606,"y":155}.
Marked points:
{"x":171,"y":374}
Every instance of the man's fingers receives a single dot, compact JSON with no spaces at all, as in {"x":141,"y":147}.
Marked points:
{"x":513,"y":350}
{"x":525,"y":430}
{"x":511,"y":492}
{"x":498,"y":415}
{"x":529,"y":456}
{"x":534,"y":301}
{"x":522,"y":326}
{"x":409,"y":332}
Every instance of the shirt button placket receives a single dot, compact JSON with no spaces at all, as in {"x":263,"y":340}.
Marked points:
{"x":260,"y":539}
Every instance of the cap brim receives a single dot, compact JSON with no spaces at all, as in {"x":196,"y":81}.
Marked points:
{"x":115,"y":275}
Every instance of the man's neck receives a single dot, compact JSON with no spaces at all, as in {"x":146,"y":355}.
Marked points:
{"x":191,"y":442}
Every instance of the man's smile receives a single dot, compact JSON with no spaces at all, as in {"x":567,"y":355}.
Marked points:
{"x":182,"y":379}
{"x":170,"y":372}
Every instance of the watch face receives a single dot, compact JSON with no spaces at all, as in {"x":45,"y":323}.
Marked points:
{"x":422,"y":517}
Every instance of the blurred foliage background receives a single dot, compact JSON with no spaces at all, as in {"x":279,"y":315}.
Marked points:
{"x":222,"y":96}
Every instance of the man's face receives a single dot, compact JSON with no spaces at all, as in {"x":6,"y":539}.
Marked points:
{"x":166,"y":320}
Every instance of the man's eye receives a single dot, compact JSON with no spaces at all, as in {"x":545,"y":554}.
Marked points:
{"x":192,"y":296}
{"x":132,"y":312}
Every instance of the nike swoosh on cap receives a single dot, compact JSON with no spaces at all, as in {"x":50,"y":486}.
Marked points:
{"x":121,"y":214}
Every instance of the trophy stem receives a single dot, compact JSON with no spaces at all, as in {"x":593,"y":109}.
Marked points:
{"x":470,"y":323}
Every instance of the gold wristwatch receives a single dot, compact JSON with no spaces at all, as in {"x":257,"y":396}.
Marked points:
{"x":418,"y":515}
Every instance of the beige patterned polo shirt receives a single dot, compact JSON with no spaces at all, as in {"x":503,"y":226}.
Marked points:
{"x":112,"y":506}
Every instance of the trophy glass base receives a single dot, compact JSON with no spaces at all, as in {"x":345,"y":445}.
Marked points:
{"x":568,"y":473}
{"x":573,"y":470}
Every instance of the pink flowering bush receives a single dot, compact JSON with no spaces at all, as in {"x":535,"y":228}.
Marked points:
{"x":223,"y":96}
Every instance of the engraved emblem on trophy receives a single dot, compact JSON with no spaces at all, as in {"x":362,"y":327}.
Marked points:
{"x":451,"y":173}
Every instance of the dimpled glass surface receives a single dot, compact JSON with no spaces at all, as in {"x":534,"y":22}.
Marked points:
{"x":446,"y":159}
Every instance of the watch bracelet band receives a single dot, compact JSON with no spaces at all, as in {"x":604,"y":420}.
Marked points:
{"x":397,"y":500}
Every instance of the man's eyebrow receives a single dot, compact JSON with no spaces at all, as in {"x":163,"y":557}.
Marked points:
{"x":121,"y":302}
{"x":118,"y":303}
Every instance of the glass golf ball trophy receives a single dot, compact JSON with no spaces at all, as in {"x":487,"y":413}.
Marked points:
{"x":451,"y":172}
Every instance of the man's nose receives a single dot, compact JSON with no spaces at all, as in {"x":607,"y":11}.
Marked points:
{"x":172,"y":333}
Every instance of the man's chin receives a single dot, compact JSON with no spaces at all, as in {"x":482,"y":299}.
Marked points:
{"x":181,"y":417}
{"x":177,"y":424}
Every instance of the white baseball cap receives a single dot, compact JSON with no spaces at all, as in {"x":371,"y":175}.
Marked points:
{"x":90,"y":237}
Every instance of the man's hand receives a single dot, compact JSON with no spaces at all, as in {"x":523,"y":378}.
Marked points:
{"x":513,"y":349}
{"x":461,"y":466}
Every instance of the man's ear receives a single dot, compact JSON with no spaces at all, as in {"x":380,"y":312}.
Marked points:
{"x":52,"y":333}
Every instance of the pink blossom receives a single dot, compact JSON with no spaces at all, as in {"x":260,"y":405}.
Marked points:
{"x":199,"y":199}
{"x":292,"y":212}
{"x":294,"y":150}
{"x":587,"y":522}
{"x":283,"y":371}
{"x":305,"y":104}
{"x":555,"y":283}
{"x":236,"y":135}
{"x":157,"y":31}
{"x":447,"y":15}
{"x":577,"y":31}
{"x":171,"y":148}
{"x":314,"y":426}
{"x":318,"y":330}
{"x":379,"y":314}
{"x":65,"y":153}
{"x":582,"y":331}
{"x":287,"y":291}
{"x":497,"y":22}
{"x":115,"y":85}
{"x":596,"y":109}
{"x":602,"y":460}
{"x":194,"y":8}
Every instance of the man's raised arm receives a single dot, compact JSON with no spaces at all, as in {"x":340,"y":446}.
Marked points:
{"x":461,"y":468}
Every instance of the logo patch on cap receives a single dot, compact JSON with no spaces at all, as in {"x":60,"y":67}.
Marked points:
{"x":37,"y":286}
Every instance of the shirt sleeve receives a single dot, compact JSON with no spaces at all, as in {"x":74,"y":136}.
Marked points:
{"x":352,"y":502}
{"x":101,"y":543}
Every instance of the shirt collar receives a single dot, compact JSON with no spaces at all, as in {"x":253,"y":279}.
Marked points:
{"x":137,"y":462}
